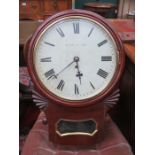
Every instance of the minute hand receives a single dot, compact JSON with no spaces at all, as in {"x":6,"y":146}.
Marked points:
{"x":65,"y":68}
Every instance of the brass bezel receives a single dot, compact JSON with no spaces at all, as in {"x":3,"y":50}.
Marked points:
{"x":74,"y":17}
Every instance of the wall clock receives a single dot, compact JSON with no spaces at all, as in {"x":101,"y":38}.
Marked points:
{"x":75,"y":60}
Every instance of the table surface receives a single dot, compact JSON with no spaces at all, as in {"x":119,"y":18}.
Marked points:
{"x":127,"y":26}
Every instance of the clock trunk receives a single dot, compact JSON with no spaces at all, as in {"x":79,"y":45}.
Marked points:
{"x":74,"y":126}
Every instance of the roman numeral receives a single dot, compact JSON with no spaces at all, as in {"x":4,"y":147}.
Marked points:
{"x":76,"y":28}
{"x":102,"y":43}
{"x":49,"y":74}
{"x":92,"y":85}
{"x":76,"y":89}
{"x":106,"y":58}
{"x":61,"y":85}
{"x":102,"y":73}
{"x":90,"y":32}
{"x":49,"y":43}
{"x":60,"y":32}
{"x":48,"y":59}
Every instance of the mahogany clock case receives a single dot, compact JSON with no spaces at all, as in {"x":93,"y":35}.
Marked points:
{"x":86,"y":102}
{"x":88,"y":109}
{"x":57,"y":113}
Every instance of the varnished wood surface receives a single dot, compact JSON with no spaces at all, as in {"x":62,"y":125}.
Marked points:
{"x":130,"y":51}
{"x":101,"y":8}
{"x":123,"y":25}
{"x":26,"y":29}
{"x":127,"y":26}
{"x":41,"y":9}
{"x":55,"y":113}
{"x":100,"y":5}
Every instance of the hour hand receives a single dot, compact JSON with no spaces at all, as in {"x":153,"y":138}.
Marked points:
{"x":79,"y":74}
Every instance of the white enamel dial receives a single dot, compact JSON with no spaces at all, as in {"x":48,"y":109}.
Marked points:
{"x":75,"y":58}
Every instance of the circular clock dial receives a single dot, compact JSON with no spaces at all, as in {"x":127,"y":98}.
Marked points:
{"x":75,"y":58}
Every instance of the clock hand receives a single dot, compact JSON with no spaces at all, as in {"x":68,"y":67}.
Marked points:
{"x":79,"y":74}
{"x":64,"y":68}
